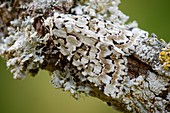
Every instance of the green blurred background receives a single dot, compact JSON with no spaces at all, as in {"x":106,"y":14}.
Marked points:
{"x":37,"y":95}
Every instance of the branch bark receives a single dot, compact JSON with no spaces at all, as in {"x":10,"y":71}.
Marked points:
{"x":87,"y":48}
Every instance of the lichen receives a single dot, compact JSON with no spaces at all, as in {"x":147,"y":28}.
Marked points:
{"x":88,"y":48}
{"x":164,"y":57}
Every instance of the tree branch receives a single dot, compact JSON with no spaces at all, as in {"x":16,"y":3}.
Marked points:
{"x":87,"y":48}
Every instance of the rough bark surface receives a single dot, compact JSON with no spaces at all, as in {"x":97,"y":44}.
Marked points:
{"x":87,"y":48}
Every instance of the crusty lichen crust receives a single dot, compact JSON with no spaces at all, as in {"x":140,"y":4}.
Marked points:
{"x":164,"y":57}
{"x":88,"y":47}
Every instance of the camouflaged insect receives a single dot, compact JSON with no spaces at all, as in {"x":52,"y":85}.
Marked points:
{"x":88,"y":48}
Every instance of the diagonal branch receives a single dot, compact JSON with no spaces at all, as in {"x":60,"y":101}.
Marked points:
{"x":88,"y":48}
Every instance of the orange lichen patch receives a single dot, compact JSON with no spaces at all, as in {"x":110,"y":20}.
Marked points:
{"x":164,"y":58}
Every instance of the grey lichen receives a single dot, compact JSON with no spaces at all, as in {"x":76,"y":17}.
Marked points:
{"x":88,"y":48}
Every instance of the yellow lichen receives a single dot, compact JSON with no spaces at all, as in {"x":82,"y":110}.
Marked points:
{"x":164,"y":58}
